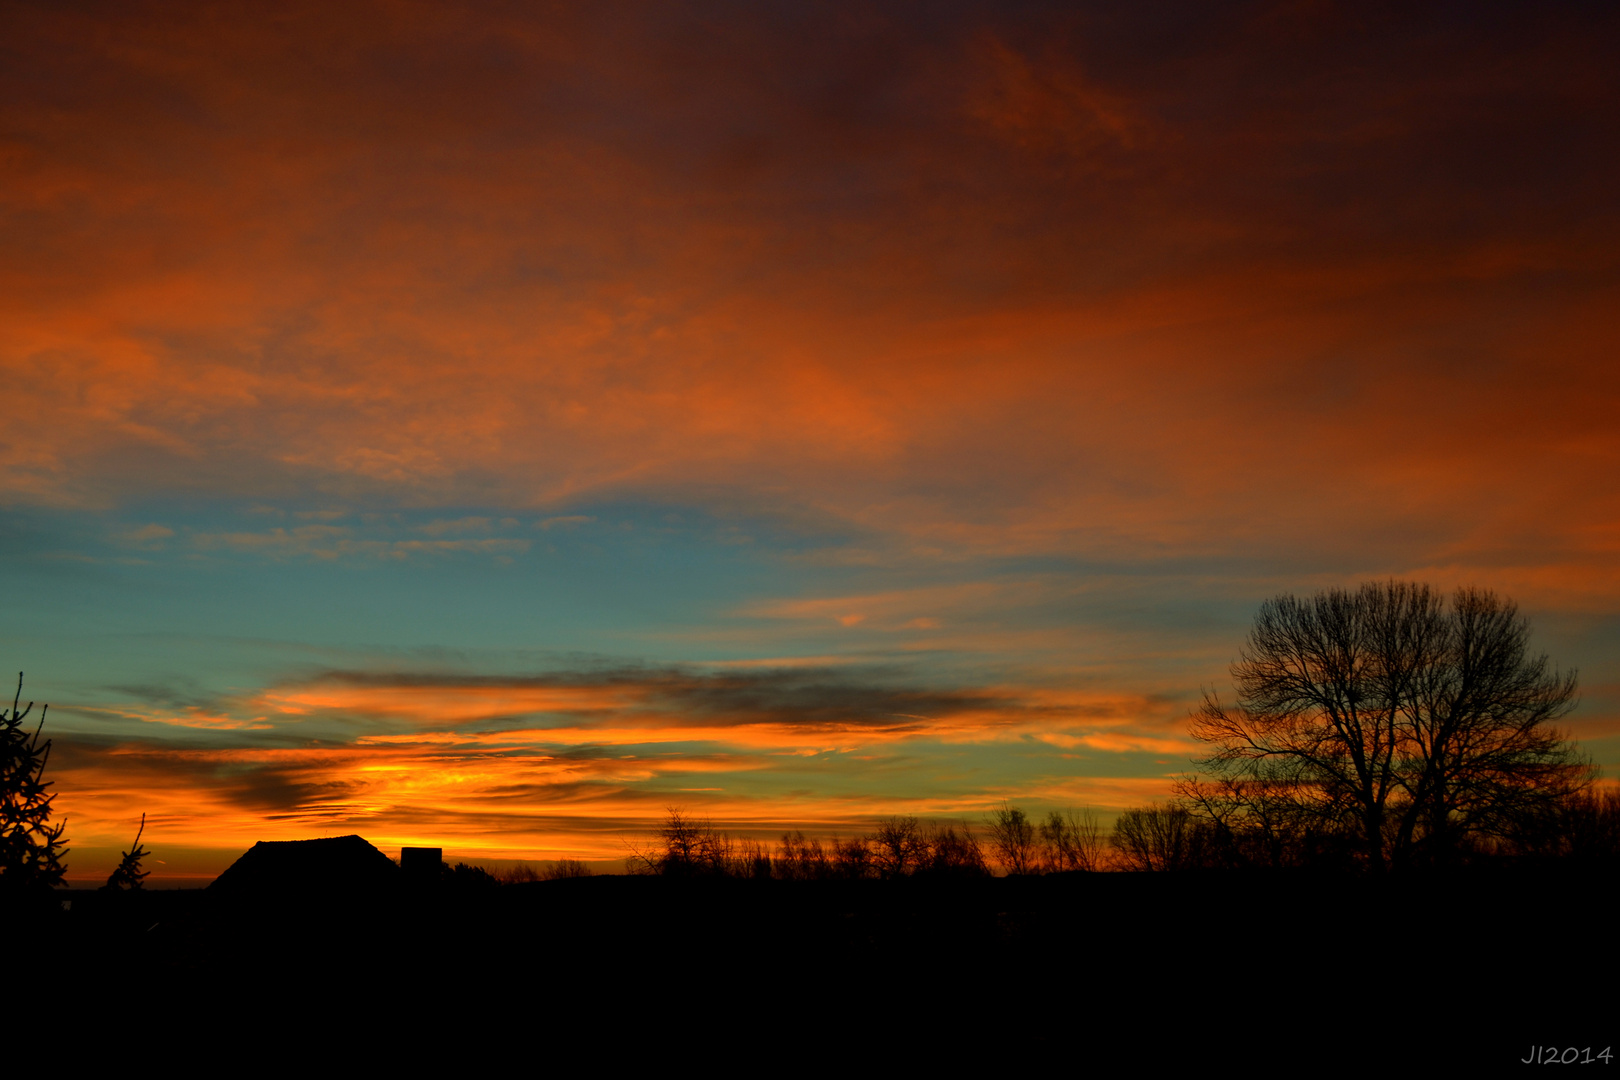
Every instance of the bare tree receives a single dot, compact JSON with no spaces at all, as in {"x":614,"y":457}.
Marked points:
{"x":684,"y":846}
{"x":751,"y":859}
{"x":1590,"y":825}
{"x":952,"y":849}
{"x":31,"y":847}
{"x":1071,"y":841}
{"x":897,"y":846}
{"x":852,"y":858}
{"x":1160,"y":838}
{"x":1012,"y":835}
{"x":801,"y":859}
{"x":558,"y":870}
{"x":1265,"y":823}
{"x":563,"y":869}
{"x":1584,"y":827}
{"x":1387,"y":716}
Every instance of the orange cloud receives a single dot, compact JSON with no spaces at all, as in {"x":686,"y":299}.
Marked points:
{"x":455,"y":759}
{"x":1038,"y":305}
{"x":1193,"y":350}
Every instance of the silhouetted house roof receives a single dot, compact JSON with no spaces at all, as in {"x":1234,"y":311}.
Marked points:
{"x":341,"y":864}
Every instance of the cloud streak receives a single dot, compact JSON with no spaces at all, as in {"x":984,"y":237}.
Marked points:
{"x":392,"y":752}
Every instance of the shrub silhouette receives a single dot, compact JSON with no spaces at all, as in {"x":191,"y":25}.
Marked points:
{"x":463,"y":876}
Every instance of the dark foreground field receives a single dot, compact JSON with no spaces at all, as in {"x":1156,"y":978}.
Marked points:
{"x":1280,"y":972}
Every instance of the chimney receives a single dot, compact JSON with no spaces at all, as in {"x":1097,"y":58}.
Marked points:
{"x":421,"y":864}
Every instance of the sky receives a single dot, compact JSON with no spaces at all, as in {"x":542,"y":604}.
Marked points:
{"x":486,"y":426}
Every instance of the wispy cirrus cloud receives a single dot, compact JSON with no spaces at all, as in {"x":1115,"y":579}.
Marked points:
{"x":336,"y":542}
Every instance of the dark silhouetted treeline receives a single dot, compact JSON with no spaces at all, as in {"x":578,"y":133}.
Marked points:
{"x":1583,"y":826}
{"x":705,"y":952}
{"x":894,"y":928}
{"x":523,"y":873}
{"x":1579,"y":827}
{"x":899,"y":846}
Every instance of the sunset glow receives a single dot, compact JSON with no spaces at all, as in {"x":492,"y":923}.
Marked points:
{"x":486,"y":427}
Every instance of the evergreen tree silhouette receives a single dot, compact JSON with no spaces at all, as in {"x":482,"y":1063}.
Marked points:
{"x":129,"y":874}
{"x":31,"y":848}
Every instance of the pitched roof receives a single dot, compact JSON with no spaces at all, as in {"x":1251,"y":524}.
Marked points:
{"x":277,"y":866}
